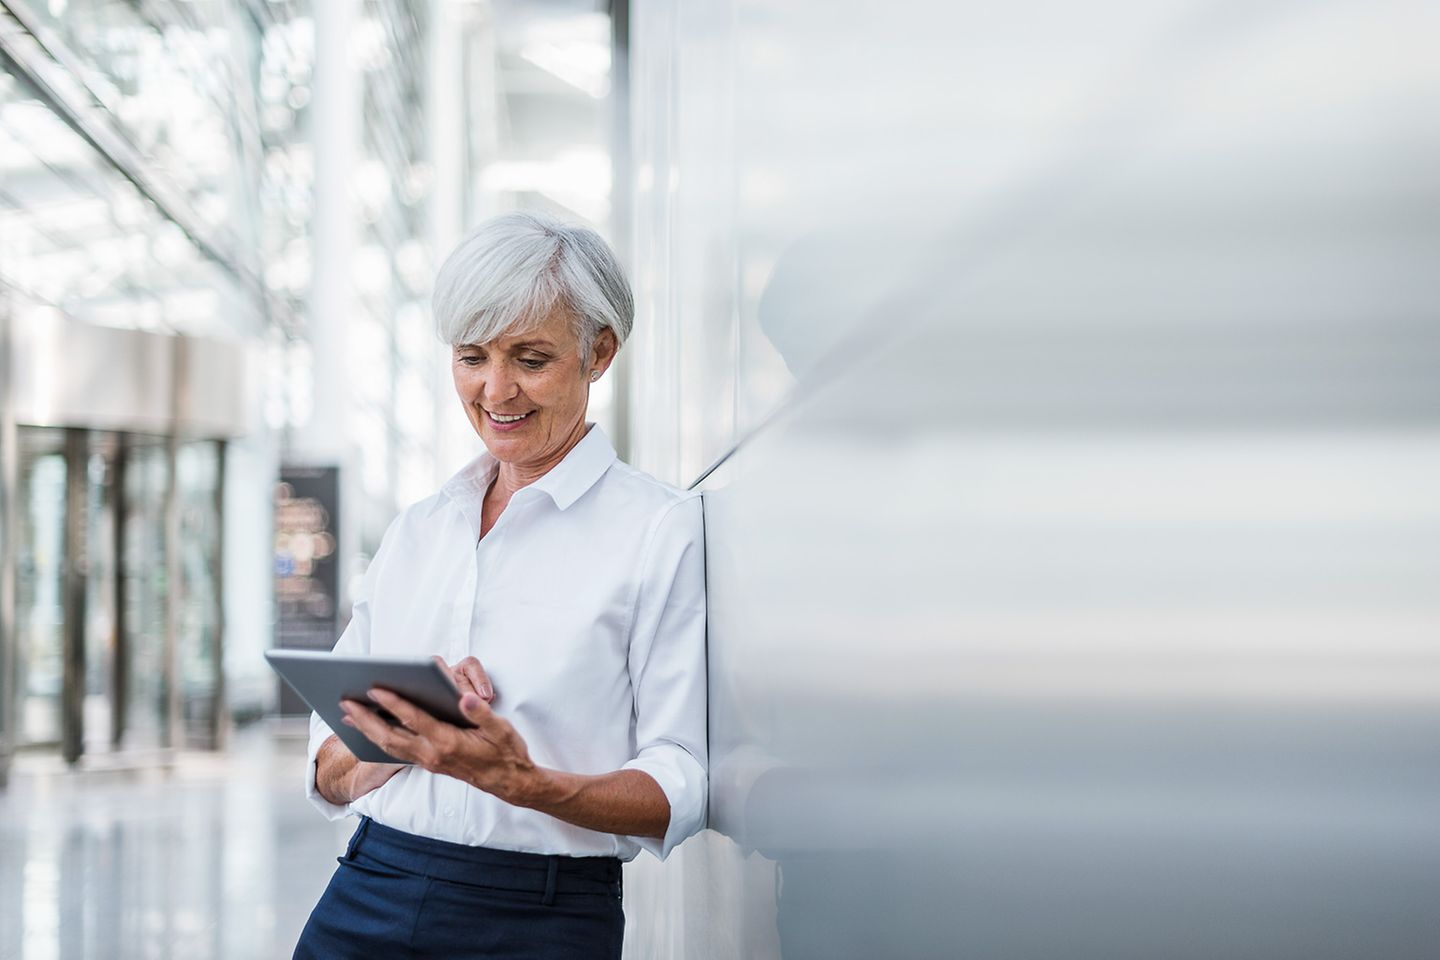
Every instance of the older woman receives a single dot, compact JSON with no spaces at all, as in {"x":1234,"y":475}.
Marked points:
{"x":567,"y":590}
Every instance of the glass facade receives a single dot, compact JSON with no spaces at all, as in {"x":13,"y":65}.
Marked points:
{"x":135,"y":196}
{"x":394,"y":423}
{"x":129,"y":185}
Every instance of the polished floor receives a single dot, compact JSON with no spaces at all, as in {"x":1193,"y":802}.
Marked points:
{"x":218,"y":857}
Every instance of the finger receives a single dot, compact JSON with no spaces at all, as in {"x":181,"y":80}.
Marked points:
{"x":492,"y":727}
{"x":462,"y":682}
{"x":479,"y":679}
{"x":395,"y":741}
{"x":413,"y":717}
{"x":477,"y":711}
{"x":359,"y":713}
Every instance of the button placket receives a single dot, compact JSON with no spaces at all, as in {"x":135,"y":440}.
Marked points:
{"x":478,"y":564}
{"x":459,"y":645}
{"x":486,"y":556}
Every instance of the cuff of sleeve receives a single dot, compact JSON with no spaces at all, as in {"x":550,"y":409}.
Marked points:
{"x":319,"y":733}
{"x":682,"y":780}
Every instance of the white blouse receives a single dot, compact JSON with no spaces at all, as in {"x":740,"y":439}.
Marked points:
{"x":586,"y":605}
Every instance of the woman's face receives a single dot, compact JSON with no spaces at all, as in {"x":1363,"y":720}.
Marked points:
{"x":526,"y":395}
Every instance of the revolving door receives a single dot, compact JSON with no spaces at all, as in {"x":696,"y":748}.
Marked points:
{"x":92,"y":669}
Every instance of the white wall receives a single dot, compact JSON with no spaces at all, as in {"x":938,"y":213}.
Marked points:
{"x":1081,"y":600}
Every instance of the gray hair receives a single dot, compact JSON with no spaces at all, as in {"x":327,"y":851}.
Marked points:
{"x":509,"y":275}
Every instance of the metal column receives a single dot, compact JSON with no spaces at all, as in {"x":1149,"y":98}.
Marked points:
{"x":174,"y":715}
{"x":72,"y":695}
{"x":9,"y":487}
{"x":220,"y":711}
{"x":622,"y":213}
{"x":120,"y":638}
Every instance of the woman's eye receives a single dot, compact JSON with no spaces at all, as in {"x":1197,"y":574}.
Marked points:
{"x":470,"y":361}
{"x":532,"y":364}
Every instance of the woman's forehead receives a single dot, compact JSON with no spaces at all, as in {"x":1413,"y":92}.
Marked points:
{"x":554,"y":332}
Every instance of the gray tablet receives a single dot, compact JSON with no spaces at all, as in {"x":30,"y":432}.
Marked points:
{"x":324,"y":679}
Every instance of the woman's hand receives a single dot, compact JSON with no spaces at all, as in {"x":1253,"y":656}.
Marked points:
{"x":493,"y":757}
{"x":490,"y":756}
{"x":340,"y":777}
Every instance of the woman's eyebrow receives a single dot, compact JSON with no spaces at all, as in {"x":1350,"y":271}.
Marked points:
{"x":515,"y":347}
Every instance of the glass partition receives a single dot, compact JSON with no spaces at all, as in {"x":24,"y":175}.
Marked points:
{"x":39,"y":588}
{"x":198,"y":469}
{"x":102,"y":639}
{"x":143,"y":584}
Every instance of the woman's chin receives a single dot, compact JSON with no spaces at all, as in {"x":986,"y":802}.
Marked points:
{"x":506,"y":446}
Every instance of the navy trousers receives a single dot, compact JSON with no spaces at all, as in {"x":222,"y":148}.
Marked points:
{"x":399,"y":895}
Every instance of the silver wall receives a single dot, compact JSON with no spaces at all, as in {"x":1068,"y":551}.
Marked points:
{"x":1073,"y":585}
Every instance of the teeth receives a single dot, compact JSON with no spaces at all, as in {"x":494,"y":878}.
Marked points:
{"x":500,"y":418}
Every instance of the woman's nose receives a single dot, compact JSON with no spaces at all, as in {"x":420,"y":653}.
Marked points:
{"x":499,"y":385}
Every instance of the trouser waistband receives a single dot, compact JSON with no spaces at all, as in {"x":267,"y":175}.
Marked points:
{"x":536,"y":873}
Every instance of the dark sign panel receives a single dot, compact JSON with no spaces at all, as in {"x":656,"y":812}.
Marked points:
{"x":307,"y":571}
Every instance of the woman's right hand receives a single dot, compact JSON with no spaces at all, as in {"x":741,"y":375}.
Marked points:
{"x":341,"y":778}
{"x":469,"y":677}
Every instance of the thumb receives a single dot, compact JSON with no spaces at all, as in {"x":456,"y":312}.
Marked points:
{"x":476,"y":710}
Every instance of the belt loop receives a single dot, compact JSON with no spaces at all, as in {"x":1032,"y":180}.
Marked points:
{"x":355,"y":840}
{"x":552,"y":870}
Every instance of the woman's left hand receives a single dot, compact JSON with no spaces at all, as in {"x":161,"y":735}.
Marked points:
{"x":490,"y":756}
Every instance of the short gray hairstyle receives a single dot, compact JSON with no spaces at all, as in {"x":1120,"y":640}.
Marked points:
{"x":509,"y":275}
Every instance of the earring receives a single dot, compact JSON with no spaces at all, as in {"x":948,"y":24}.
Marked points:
{"x":594,"y":375}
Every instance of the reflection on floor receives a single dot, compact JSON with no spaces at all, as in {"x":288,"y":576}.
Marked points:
{"x":220,"y":857}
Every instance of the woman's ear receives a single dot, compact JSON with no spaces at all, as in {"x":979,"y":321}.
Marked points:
{"x":603,"y":353}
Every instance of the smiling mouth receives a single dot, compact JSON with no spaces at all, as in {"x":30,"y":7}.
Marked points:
{"x":504,"y":418}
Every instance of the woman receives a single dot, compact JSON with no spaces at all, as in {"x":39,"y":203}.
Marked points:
{"x":567,"y":589}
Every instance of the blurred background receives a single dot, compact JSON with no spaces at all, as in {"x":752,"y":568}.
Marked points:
{"x":1063,"y":381}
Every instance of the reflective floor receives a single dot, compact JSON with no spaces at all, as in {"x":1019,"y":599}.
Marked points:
{"x":220,"y":857}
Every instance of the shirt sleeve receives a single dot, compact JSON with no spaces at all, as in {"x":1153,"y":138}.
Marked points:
{"x":355,"y":640}
{"x":667,"y":671}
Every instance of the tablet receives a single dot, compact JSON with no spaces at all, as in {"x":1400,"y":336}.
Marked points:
{"x":323,"y":679}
